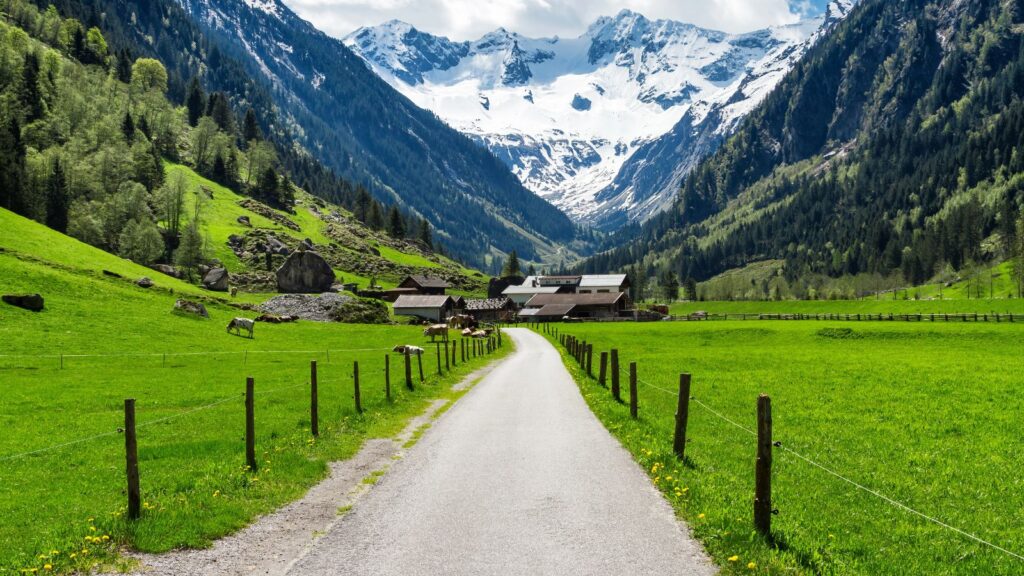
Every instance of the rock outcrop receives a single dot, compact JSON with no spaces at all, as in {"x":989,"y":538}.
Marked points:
{"x":305,"y":272}
{"x":31,"y":302}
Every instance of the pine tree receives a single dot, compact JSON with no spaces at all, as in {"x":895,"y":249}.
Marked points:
{"x":670,"y":286}
{"x":512,"y":265}
{"x":250,"y":128}
{"x":376,"y":218}
{"x":266,"y":187}
{"x":57,"y":199}
{"x":12,"y":167}
{"x":195,"y":102}
{"x":128,"y":127}
{"x":190,"y":251}
{"x":219,"y":109}
{"x":29,"y":95}
{"x":425,"y":236}
{"x":690,"y":289}
{"x":396,"y":225}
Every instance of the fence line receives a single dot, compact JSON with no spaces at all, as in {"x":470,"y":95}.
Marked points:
{"x":853,"y":483}
{"x":831,"y":472}
{"x":173,"y":354}
{"x":143,"y":424}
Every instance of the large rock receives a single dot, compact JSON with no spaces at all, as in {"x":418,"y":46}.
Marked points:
{"x":216,"y":279}
{"x":32,"y":302}
{"x":190,"y":308}
{"x":167,"y":269}
{"x":305,"y":273}
{"x":144,"y":282}
{"x":275,"y":246}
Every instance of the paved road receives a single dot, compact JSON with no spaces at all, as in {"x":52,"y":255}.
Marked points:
{"x":518,"y":477}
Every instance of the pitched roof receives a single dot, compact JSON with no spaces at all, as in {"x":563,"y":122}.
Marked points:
{"x":488,"y":304}
{"x":524,"y":289}
{"x":557,"y":310}
{"x":600,"y":299}
{"x":428,"y":281}
{"x":602,"y":280}
{"x":418,"y":301}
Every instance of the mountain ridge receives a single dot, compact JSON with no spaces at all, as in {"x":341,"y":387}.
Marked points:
{"x":568,"y":114}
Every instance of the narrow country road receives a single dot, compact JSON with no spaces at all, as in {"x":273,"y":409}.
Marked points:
{"x":518,"y":477}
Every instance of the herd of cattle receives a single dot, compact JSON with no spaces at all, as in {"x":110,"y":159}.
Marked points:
{"x":466,"y":323}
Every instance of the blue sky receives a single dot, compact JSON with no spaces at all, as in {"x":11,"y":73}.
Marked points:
{"x":470,"y":19}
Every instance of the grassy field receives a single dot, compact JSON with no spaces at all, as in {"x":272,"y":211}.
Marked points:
{"x":62,"y":460}
{"x":928,"y":415}
{"x":867,"y":306}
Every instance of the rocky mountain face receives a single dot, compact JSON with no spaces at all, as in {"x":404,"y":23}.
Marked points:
{"x":603,"y":125}
{"x":366,"y":131}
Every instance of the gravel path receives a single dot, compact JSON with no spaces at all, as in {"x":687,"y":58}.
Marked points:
{"x":518,"y":478}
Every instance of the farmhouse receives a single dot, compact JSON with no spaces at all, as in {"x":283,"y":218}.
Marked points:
{"x":585,"y":284}
{"x":491,"y":309}
{"x":430,"y":308}
{"x":425,"y":285}
{"x":597,"y":305}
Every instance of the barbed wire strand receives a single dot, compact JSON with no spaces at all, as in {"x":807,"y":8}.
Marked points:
{"x":839,"y":476}
{"x":143,"y":424}
{"x":170,"y":354}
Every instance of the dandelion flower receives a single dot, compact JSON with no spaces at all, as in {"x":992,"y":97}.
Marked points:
{"x":751,"y":566}
{"x":701,"y":516}
{"x":47,"y":567}
{"x":734,"y":558}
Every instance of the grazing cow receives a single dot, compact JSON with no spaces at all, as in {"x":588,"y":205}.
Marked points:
{"x":412,"y":350}
{"x":436,"y":330}
{"x":460,"y":321}
{"x":467,"y":332}
{"x":239,"y":324}
{"x":480,"y":334}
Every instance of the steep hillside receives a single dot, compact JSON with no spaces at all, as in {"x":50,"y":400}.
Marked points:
{"x":567,"y":114}
{"x":891,"y":149}
{"x":360,"y":126}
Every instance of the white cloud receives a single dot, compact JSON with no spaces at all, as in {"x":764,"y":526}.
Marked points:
{"x":470,"y":19}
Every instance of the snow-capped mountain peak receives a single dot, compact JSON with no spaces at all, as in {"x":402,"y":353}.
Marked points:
{"x":567,"y":114}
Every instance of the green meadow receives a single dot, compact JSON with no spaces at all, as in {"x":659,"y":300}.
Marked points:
{"x":928,"y":415}
{"x":866,"y":306}
{"x":64,"y":375}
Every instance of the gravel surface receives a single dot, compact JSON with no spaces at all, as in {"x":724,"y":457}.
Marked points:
{"x":317,"y":308}
{"x":518,"y":478}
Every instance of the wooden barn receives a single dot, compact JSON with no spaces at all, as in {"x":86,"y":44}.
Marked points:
{"x":491,"y":309}
{"x":430,"y":308}
{"x":425,"y":285}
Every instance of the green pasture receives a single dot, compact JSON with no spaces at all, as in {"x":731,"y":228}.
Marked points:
{"x":928,"y":415}
{"x":62,"y":460}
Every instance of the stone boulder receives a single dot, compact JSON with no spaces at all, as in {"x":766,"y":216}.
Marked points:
{"x":144,"y":282}
{"x":305,"y":273}
{"x":167,"y":269}
{"x":216,"y":279}
{"x":244,"y":221}
{"x":190,"y":308}
{"x":275,"y":246}
{"x":31,"y":302}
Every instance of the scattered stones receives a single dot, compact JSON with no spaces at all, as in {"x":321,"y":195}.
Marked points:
{"x":269,"y":213}
{"x":275,"y":319}
{"x":30,"y":302}
{"x":307,"y":244}
{"x":189,"y":308}
{"x":244,"y":221}
{"x":216,"y":279}
{"x":275,"y":246}
{"x":305,"y":273}
{"x":144,"y":282}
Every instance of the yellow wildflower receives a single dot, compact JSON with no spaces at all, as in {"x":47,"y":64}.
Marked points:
{"x":751,"y":566}
{"x":733,"y":558}
{"x":47,"y":566}
{"x":701,"y":516}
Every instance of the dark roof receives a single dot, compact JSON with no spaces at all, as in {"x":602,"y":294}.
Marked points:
{"x":418,"y":301}
{"x":489,"y":304}
{"x":428,"y":281}
{"x":556,"y":310}
{"x":600,"y":299}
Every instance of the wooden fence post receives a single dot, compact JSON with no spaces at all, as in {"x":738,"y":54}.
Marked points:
{"x":603,"y":372}
{"x":387,"y":377}
{"x":763,"y":482}
{"x":250,"y":425}
{"x":408,"y":370}
{"x":419,"y":363}
{"x":355,"y":376}
{"x":590,"y":360}
{"x":314,"y":401}
{"x":131,"y":453}
{"x":447,"y":357}
{"x":682,"y":416}
{"x":633,"y":401}
{"x":616,"y":391}
{"x":438,"y":346}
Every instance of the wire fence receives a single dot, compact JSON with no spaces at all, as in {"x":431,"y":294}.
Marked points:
{"x":674,"y":394}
